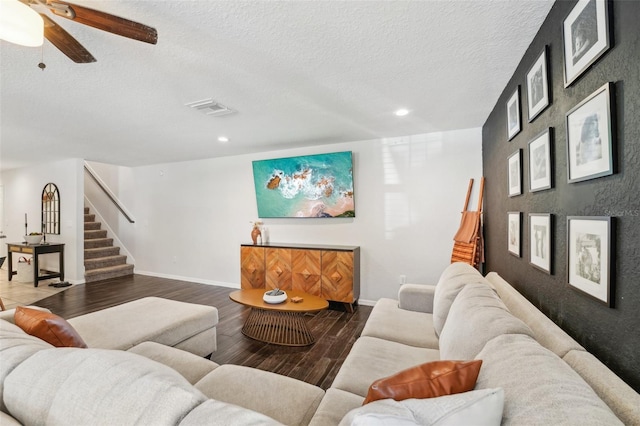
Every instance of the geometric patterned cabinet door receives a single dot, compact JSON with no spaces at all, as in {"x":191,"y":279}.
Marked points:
{"x":330,"y":272}
{"x":337,"y":276}
{"x":251,"y":267}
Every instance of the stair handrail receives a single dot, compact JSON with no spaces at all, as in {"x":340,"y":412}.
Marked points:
{"x":108,"y":192}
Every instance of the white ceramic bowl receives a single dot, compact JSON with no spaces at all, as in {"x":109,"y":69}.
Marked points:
{"x":274,"y":299}
{"x":33,"y":239}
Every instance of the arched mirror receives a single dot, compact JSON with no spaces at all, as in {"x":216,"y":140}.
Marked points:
{"x":50,"y":209}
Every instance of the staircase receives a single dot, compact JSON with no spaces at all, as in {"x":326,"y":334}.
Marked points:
{"x":102,"y":260}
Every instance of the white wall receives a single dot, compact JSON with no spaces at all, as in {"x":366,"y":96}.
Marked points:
{"x":409,"y":192}
{"x":22,"y":194}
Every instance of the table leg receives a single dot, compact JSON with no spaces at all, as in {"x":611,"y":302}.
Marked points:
{"x":36,"y":268}
{"x":10,"y":265}
{"x":278,"y":327}
{"x":61,"y":264}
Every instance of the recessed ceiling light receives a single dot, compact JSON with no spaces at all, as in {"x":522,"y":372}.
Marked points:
{"x":402,"y":112}
{"x":223,"y":139}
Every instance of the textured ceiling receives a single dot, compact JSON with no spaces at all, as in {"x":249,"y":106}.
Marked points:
{"x":299,"y":73}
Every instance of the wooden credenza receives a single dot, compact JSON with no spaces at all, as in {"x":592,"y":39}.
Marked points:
{"x":331,"y":272}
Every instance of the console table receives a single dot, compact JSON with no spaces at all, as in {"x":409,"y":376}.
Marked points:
{"x":36,"y":250}
{"x":331,"y":272}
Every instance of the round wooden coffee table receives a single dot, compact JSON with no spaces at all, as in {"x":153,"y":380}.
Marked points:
{"x":281,"y":323}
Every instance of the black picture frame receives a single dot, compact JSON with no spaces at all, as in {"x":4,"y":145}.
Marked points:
{"x":590,"y":256}
{"x":513,"y":114}
{"x":514,"y":173}
{"x":514,"y":233}
{"x":587,"y":35}
{"x":541,"y":165}
{"x":541,"y":241}
{"x":591,"y":136}
{"x":538,"y":92}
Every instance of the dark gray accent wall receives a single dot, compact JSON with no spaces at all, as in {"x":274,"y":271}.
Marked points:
{"x":611,"y":334}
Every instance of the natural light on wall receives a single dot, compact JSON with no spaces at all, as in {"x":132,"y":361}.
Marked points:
{"x":20,"y":24}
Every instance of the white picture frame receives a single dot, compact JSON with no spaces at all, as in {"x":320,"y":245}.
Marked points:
{"x":590,"y":136}
{"x":514,"y":171}
{"x":590,"y":256}
{"x":541,"y":241}
{"x":514,"y":233}
{"x":513,"y":114}
{"x":586,"y":37}
{"x":541,"y":161}
{"x":538,"y":97}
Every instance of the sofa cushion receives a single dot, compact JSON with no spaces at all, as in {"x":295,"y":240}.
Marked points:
{"x":478,"y":408}
{"x":477,"y":315}
{"x":282,"y":398}
{"x":218,"y":413}
{"x":540,"y":388}
{"x":15,"y":347}
{"x":334,"y":406}
{"x":190,"y":366}
{"x":49,"y":327}
{"x":95,"y":386}
{"x":371,"y":358}
{"x":390,"y":322}
{"x":452,"y":280}
{"x":429,"y":380}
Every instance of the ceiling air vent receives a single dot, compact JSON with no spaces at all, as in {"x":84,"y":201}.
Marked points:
{"x":210,"y":107}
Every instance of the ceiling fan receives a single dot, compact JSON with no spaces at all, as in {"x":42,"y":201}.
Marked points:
{"x":91,"y":17}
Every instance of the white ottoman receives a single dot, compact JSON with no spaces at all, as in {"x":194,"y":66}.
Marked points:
{"x":185,"y":326}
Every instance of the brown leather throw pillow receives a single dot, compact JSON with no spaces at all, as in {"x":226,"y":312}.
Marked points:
{"x":430,"y":380}
{"x":49,"y":327}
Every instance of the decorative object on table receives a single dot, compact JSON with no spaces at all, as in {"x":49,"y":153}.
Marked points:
{"x":514,"y":233}
{"x":33,"y":238}
{"x":586,"y":34}
{"x":515,"y":173}
{"x":513,"y":114}
{"x":540,"y":162}
{"x":256,"y":233}
{"x":274,"y":296}
{"x":540,"y":241}
{"x":590,"y":256}
{"x":297,"y":299}
{"x":538,"y":86}
{"x":590,"y":136}
{"x":304,"y":187}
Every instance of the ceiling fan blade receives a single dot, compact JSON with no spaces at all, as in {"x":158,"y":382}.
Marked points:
{"x":104,"y":21}
{"x":65,"y":42}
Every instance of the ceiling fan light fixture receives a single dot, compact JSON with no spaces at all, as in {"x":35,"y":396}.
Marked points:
{"x":19,"y":24}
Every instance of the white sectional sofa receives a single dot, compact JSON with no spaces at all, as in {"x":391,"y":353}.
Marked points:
{"x":545,"y":377}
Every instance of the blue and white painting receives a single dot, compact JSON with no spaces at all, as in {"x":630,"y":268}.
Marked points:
{"x":307,"y":186}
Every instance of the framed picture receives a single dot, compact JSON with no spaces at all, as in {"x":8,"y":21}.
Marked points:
{"x":590,"y":136}
{"x":514,"y":221}
{"x":307,"y":186}
{"x":515,"y":173}
{"x":538,"y":86}
{"x":586,"y":35}
{"x":590,"y":252}
{"x":541,"y":250}
{"x":540,"y":164}
{"x":513,"y":114}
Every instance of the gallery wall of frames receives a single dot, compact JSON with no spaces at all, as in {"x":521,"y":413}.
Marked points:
{"x":561,"y":157}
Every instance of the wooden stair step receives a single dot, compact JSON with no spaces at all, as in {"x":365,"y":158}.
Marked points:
{"x":108,"y":272}
{"x":95,"y":234}
{"x":98,"y":242}
{"x":92,"y":253}
{"x":103,"y":262}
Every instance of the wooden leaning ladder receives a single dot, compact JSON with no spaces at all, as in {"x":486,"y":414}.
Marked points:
{"x":468,"y":245}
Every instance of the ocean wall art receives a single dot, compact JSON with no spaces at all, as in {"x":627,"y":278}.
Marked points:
{"x":307,"y":186}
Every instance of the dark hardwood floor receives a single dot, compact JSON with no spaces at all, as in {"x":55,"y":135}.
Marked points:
{"x":335,"y":329}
